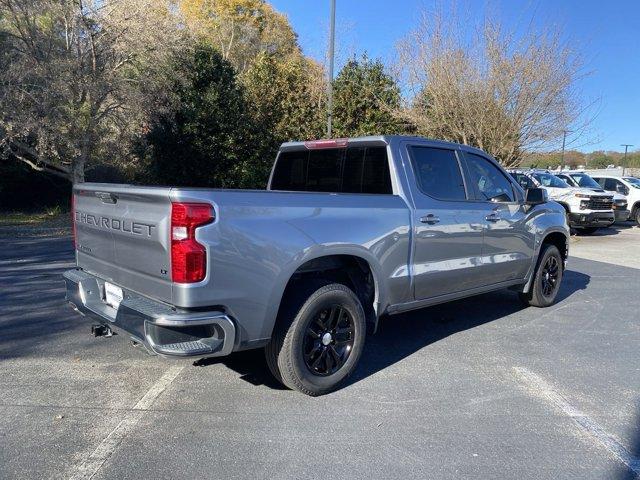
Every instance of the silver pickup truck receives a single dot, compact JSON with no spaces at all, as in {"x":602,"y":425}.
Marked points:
{"x":348,"y":230}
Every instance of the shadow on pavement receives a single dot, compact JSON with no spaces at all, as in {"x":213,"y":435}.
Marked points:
{"x":402,"y":335}
{"x":634,"y":451}
{"x":32,"y":305}
{"x":608,"y":231}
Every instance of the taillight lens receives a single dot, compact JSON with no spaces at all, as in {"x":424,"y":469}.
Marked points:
{"x":73,"y":218}
{"x":188,"y":257}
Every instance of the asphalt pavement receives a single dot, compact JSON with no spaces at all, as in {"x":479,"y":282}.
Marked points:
{"x":480,"y":388}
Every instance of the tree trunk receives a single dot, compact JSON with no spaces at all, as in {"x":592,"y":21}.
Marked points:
{"x":77,"y":175}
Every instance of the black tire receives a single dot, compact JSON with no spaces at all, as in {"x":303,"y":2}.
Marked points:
{"x":539,"y":294}
{"x":318,"y":339}
{"x":636,"y":216}
{"x":587,"y":230}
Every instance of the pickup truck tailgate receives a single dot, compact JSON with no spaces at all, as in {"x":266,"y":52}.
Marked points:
{"x":122,"y":235}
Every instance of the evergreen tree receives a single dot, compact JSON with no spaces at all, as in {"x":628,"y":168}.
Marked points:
{"x":366,"y":100}
{"x":211,"y":140}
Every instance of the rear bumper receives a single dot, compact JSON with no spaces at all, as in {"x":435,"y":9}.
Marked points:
{"x":163,"y":330}
{"x":591,"y":219}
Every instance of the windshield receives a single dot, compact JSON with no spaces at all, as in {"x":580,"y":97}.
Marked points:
{"x":633,"y":181}
{"x":548,"y":180}
{"x":584,"y":180}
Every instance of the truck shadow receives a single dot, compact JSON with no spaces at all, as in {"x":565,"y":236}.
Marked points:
{"x":634,"y":451}
{"x":611,"y":230}
{"x":402,"y":335}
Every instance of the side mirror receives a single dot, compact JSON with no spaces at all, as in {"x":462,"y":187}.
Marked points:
{"x":622,"y":189}
{"x":536,"y":196}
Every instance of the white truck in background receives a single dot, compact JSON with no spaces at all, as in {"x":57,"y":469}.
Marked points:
{"x":586,"y":210}
{"x":579,"y":179}
{"x":627,"y":186}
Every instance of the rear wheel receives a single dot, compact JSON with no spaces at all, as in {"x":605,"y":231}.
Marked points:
{"x":546,"y":280}
{"x":318,"y":340}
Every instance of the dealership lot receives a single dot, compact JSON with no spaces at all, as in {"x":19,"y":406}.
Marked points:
{"x":477,"y":388}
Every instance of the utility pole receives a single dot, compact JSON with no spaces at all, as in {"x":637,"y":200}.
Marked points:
{"x":564,"y":138}
{"x":626,"y":147}
{"x":332,"y":39}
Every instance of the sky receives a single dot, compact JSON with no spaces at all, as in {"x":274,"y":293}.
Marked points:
{"x":606,"y":34}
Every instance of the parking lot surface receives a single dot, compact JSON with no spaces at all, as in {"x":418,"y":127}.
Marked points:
{"x":480,"y":388}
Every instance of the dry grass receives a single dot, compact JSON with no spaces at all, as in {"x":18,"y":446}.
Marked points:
{"x":52,"y":222}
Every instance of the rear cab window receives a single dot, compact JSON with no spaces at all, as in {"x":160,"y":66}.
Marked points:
{"x":355,"y":169}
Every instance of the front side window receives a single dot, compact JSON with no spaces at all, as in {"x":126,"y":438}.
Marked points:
{"x":523,"y":180}
{"x":610,"y":184}
{"x":570,"y":181}
{"x":584,"y":180}
{"x":438,"y":173}
{"x":548,"y":180}
{"x":487,"y":180}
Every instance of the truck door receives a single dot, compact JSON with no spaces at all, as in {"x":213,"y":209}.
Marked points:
{"x":508,"y":241}
{"x":448,"y":229}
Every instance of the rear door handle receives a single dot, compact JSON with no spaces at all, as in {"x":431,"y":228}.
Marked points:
{"x":492,"y":217}
{"x":430,"y":219}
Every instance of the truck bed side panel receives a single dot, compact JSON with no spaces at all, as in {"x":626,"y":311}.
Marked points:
{"x":260,"y":238}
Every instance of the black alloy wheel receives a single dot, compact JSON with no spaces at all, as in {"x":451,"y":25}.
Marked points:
{"x":550,"y":274}
{"x":328,"y":341}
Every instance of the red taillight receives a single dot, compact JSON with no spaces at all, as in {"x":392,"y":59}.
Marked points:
{"x":188,"y":257}
{"x":73,"y":217}
{"x":327,"y":143}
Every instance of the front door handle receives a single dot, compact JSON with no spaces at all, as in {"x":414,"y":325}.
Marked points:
{"x":492,"y":217}
{"x":430,"y":219}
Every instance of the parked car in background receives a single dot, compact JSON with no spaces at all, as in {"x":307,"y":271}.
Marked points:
{"x":578,"y":179}
{"x":586,"y":210}
{"x":348,"y":230}
{"x":627,"y":186}
{"x":634,"y":180}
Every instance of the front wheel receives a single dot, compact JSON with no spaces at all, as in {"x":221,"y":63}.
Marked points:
{"x":318,"y":342}
{"x":546,"y":280}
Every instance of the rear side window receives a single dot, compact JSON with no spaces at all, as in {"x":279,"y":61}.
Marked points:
{"x":438,"y":173}
{"x":340,"y":170}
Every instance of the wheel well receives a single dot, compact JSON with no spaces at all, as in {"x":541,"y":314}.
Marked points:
{"x":559,"y":240}
{"x":349,"y":270}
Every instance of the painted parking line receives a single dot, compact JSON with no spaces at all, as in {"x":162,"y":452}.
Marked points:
{"x":543,"y":390}
{"x":110,"y":443}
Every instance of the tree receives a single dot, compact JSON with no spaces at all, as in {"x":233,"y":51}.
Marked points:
{"x":287,"y":95}
{"x":501,"y":93}
{"x":366,"y":100}
{"x":210,"y":140}
{"x":240,"y":29}
{"x":73,"y":78}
